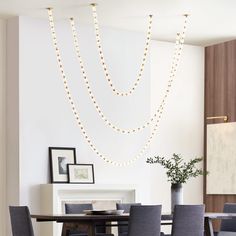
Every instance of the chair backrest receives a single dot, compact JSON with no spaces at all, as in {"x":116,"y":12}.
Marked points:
{"x":77,"y":208}
{"x":188,"y":220}
{"x":126,"y":206}
{"x":72,"y":208}
{"x":145,"y":221}
{"x":229,"y":224}
{"x":21,"y":221}
{"x":123,"y":229}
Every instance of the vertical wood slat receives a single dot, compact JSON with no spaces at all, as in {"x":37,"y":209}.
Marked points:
{"x":220,"y":99}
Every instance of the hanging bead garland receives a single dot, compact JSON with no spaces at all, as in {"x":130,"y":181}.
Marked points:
{"x":76,"y":113}
{"x":177,"y":53}
{"x":102,"y":58}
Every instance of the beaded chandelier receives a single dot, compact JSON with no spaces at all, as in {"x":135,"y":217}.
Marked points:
{"x":155,"y":118}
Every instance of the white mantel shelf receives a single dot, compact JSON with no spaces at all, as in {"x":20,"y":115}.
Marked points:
{"x":89,"y":186}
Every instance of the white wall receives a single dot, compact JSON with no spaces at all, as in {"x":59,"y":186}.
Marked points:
{"x":181,"y":128}
{"x":45,"y":118}
{"x":2,"y":127}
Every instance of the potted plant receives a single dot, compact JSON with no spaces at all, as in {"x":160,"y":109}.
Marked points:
{"x":178,"y":172}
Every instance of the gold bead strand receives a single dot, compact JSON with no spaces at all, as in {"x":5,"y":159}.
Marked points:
{"x":102,"y":57}
{"x":178,"y":49}
{"x":177,"y":53}
{"x":68,"y":93}
{"x":76,"y":113}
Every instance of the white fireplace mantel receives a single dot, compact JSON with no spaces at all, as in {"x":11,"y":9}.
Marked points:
{"x":54,"y":196}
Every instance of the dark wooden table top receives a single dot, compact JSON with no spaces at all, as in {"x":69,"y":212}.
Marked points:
{"x":123,"y":217}
{"x":84,"y":217}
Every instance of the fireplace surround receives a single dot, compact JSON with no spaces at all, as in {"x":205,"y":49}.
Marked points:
{"x":54,"y":196}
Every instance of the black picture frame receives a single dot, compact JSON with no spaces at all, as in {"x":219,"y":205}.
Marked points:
{"x":81,"y":173}
{"x":59,"y":158}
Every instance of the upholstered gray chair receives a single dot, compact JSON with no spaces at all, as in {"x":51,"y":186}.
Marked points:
{"x":225,"y":233}
{"x":123,"y":227}
{"x":79,"y":209}
{"x":145,"y":221}
{"x":21,"y":221}
{"x":188,"y":220}
{"x":229,"y":225}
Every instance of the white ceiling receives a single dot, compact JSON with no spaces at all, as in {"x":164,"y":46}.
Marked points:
{"x":211,"y":21}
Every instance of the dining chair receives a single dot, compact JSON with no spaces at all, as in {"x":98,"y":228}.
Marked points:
{"x":188,"y":220}
{"x":123,"y":228}
{"x":21,"y":223}
{"x":145,"y":220}
{"x":79,"y":209}
{"x":229,"y":225}
{"x":225,"y":233}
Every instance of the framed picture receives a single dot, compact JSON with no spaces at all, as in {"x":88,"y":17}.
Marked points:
{"x":81,"y":173}
{"x":59,"y":158}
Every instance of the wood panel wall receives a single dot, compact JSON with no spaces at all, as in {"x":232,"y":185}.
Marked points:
{"x":220,"y":99}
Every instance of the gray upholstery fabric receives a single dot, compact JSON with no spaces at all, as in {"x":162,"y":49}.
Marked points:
{"x":126,"y":206}
{"x":229,"y":224}
{"x":21,"y":221}
{"x":188,"y":220}
{"x":123,"y":229}
{"x":144,"y":221}
{"x":225,"y":233}
{"x":78,"y":209}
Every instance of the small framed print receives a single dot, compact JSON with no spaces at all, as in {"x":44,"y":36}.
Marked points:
{"x":59,"y":158}
{"x":81,"y":173}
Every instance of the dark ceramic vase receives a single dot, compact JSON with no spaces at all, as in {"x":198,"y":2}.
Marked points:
{"x":176,"y":195}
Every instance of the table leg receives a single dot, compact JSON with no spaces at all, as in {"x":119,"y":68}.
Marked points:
{"x":91,"y":229}
{"x":108,"y":227}
{"x":208,"y":227}
{"x":64,"y":229}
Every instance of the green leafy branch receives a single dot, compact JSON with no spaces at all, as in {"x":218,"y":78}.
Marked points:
{"x":178,"y":171}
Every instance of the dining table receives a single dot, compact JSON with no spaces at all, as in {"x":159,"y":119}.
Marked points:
{"x":90,"y":222}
